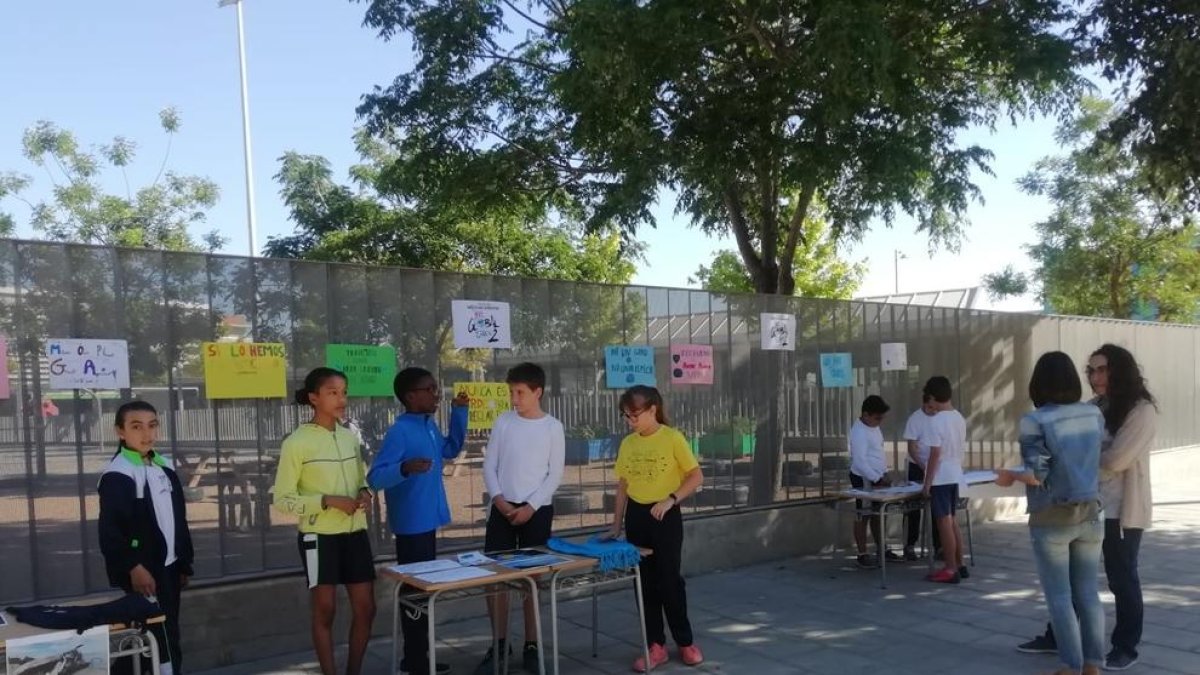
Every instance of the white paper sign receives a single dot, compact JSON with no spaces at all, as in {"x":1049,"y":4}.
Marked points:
{"x":88,"y":364}
{"x":65,"y":651}
{"x":894,"y":355}
{"x":481,"y":324}
{"x":778,"y":332}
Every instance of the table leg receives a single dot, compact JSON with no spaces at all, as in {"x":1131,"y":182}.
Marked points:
{"x":155,"y":657}
{"x":596,"y":622}
{"x":927,"y":516}
{"x":432,"y":633}
{"x":637,"y":589}
{"x":554,"y":621}
{"x":883,"y":546}
{"x":396,"y":618}
{"x":537,"y":625}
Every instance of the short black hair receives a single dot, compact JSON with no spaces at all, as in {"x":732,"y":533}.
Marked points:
{"x":1055,"y":380}
{"x":875,"y":405}
{"x":313,"y":382}
{"x":133,"y":406}
{"x":406,"y":380}
{"x":529,"y":374}
{"x":938,"y":388}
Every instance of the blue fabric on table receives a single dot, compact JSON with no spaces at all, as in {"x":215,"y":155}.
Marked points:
{"x":612,"y":554}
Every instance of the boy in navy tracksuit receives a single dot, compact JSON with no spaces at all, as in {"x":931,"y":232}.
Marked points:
{"x":144,"y":533}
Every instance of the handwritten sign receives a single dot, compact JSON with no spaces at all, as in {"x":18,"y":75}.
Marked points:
{"x":481,"y":324}
{"x":628,"y":365}
{"x":244,"y":369}
{"x":836,"y":371}
{"x":894,"y":355}
{"x":88,"y":364}
{"x":691,"y":364}
{"x":4,"y":386}
{"x":370,"y":369}
{"x":778,"y":332}
{"x":488,"y":400}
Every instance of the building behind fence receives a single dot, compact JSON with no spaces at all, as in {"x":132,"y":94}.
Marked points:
{"x":766,"y":431}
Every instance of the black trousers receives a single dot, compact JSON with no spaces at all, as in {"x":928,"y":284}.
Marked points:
{"x":663,"y":587}
{"x":412,"y":548}
{"x":912,"y":519}
{"x":1121,"y":547}
{"x":166,"y":634}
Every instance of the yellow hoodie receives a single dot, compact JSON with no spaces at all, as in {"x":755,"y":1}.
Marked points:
{"x":316,"y":462}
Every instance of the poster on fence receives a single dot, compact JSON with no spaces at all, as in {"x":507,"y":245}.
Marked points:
{"x":481,"y":324}
{"x":628,"y":365}
{"x":88,"y":364}
{"x":370,"y":369}
{"x":894,"y":355}
{"x":836,"y":371}
{"x":244,"y":370}
{"x":63,"y":651}
{"x":778,"y":332}
{"x":488,"y":401}
{"x":5,"y":392}
{"x":691,"y":364}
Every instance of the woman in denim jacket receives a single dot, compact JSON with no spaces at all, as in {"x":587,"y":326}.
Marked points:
{"x":1060,"y":445}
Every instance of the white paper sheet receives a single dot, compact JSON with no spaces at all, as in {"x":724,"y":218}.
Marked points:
{"x":456,"y":574}
{"x":426,"y":567}
{"x":979,"y":477}
{"x":894,"y":355}
{"x":481,"y":324}
{"x":778,"y":332}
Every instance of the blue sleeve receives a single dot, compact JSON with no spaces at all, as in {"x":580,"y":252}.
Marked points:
{"x":1034,"y":452}
{"x":385,"y":470}
{"x":458,"y":433}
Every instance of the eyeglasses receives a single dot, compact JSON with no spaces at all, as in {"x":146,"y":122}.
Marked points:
{"x":1090,"y":371}
{"x":632,"y":415}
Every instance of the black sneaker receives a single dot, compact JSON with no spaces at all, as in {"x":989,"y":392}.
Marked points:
{"x":910,"y":555}
{"x":1119,"y":660}
{"x":423,"y":668}
{"x":488,"y":665}
{"x":892,"y":556}
{"x":867,"y":562}
{"x":1039,"y":645}
{"x":964,"y":572}
{"x":529,"y":658}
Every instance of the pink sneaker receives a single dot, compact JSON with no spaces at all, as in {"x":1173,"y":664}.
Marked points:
{"x":658,"y":656}
{"x":691,"y":655}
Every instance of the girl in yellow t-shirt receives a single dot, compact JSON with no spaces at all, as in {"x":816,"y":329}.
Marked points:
{"x":656,"y":471}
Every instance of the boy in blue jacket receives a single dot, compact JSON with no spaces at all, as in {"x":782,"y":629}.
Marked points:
{"x":408,"y":469}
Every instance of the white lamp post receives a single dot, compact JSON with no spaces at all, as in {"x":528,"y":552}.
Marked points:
{"x":253,"y":229}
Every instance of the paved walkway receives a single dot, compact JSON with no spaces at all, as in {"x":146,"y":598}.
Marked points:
{"x":820,"y":615}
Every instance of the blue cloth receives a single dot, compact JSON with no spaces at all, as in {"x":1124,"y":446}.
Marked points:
{"x":613,"y":555}
{"x":1068,"y":564}
{"x":1060,"y":444}
{"x":417,"y":504}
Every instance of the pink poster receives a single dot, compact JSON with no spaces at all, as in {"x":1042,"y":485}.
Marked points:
{"x":691,"y":364}
{"x":4,"y":392}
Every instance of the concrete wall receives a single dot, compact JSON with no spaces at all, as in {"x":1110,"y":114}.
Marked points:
{"x":240,"y":622}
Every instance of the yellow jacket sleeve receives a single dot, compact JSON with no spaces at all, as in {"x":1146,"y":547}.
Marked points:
{"x":287,"y":496}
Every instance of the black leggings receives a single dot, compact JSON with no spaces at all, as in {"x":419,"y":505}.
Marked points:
{"x":663,"y":588}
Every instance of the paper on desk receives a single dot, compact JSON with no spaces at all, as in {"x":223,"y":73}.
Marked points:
{"x":979,"y":477}
{"x":2,"y":621}
{"x":455,"y":574}
{"x":474,"y":558}
{"x":419,"y":568}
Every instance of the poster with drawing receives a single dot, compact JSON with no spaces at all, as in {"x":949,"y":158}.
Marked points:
{"x":691,"y":364}
{"x":63,"y":652}
{"x":837,"y":371}
{"x":894,"y":355}
{"x":88,"y":364}
{"x":778,"y":332}
{"x":629,"y":365}
{"x":481,"y":324}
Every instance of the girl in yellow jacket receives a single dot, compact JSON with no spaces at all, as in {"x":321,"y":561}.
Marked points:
{"x":322,"y":481}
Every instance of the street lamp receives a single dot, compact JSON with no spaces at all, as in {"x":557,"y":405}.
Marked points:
{"x":897,"y":255}
{"x":245,"y":126}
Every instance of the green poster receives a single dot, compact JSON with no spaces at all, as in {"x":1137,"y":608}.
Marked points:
{"x":370,"y":368}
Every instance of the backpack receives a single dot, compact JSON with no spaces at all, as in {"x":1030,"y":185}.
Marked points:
{"x":131,"y":609}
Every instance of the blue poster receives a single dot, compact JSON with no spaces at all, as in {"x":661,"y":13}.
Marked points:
{"x":627,"y":365}
{"x":836,"y":371}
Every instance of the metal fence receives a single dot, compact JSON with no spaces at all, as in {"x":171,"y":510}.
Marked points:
{"x":766,"y":431}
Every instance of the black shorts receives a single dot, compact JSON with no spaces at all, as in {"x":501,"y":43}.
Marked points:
{"x":943,"y":500}
{"x":502,"y":535}
{"x":336,"y":559}
{"x":856,"y":482}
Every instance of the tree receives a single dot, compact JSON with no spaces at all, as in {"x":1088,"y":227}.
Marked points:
{"x":371,"y":223}
{"x":80,"y":209}
{"x":820,"y":273}
{"x":1152,"y":50}
{"x":1112,"y":246}
{"x":748,"y":111}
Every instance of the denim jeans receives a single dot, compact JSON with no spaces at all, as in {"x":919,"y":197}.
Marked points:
{"x":1068,"y":562}
{"x":1121,"y":566}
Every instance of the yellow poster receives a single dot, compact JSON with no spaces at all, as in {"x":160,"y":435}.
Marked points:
{"x":488,"y":400}
{"x":245,"y":369}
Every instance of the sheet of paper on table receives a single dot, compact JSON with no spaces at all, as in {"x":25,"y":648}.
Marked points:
{"x":979,"y":477}
{"x":455,"y":574}
{"x":419,"y":568}
{"x":473,"y":558}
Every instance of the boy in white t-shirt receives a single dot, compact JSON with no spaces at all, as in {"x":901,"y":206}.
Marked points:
{"x":868,"y":466}
{"x":522,"y":467}
{"x":918,"y":457}
{"x":946,"y":437}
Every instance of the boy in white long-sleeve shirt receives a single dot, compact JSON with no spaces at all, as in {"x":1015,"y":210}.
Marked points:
{"x":522,"y":468}
{"x":868,"y":466}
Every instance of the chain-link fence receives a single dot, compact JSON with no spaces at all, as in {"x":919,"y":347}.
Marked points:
{"x":766,"y":431}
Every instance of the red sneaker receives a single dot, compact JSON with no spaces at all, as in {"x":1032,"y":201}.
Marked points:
{"x":658,"y":656}
{"x":691,"y":655}
{"x":946,"y":575}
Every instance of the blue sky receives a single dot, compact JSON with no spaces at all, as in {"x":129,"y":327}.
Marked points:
{"x":107,"y":68}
